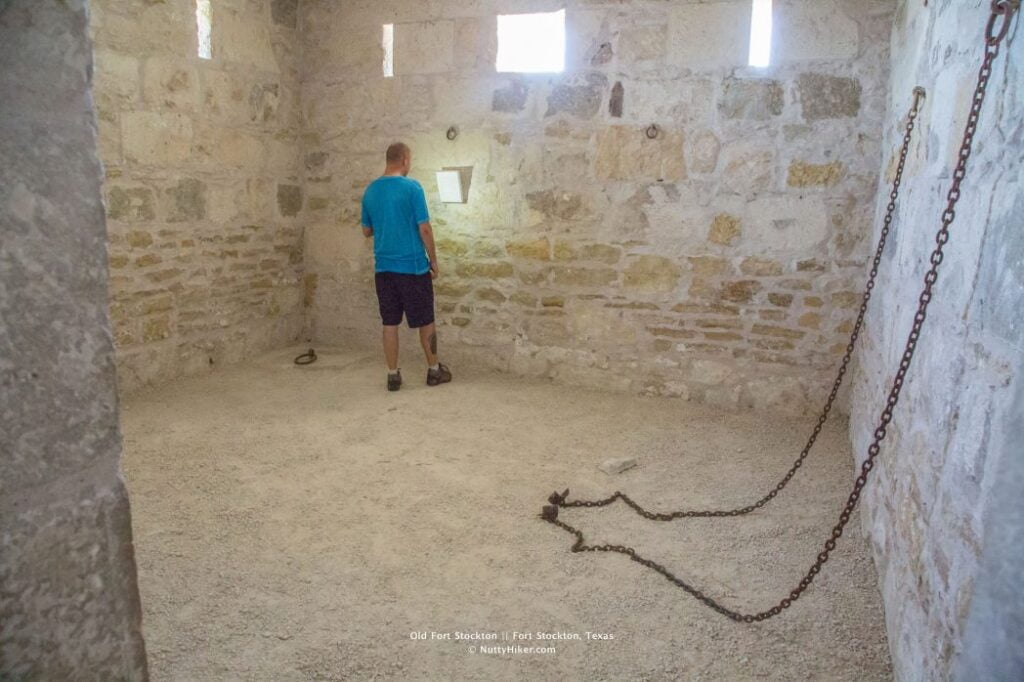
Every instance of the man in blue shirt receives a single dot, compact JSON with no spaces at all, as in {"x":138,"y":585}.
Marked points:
{"x":395,"y":216}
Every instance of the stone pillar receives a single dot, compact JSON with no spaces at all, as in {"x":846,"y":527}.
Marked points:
{"x":69,"y":603}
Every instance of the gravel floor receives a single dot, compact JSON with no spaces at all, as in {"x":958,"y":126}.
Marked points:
{"x":304,"y":524}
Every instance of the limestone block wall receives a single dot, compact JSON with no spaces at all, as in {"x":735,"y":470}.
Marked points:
{"x":720,"y":261}
{"x":929,"y":506}
{"x":69,"y":603}
{"x":203,"y":182}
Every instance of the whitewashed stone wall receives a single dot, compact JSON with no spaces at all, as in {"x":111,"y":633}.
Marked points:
{"x":927,"y":507}
{"x":203,"y":182}
{"x":719,"y":262}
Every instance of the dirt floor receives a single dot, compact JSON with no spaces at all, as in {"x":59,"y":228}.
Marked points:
{"x":305,"y":524}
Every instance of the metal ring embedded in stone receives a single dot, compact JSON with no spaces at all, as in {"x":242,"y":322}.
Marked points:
{"x":306,"y":358}
{"x":452,"y":133}
{"x":652,"y":131}
{"x":1006,"y":10}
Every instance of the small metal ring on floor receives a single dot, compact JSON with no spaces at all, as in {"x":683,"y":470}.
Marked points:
{"x":307,"y":358}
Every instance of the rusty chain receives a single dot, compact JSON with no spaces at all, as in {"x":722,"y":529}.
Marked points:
{"x":1002,"y":13}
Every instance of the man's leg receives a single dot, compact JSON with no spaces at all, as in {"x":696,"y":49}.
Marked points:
{"x":438,"y":373}
{"x":391,"y":347}
{"x":419,"y":310}
{"x":428,"y":339}
{"x":391,"y":316}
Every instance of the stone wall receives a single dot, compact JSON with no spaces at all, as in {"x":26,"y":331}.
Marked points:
{"x":69,"y":604}
{"x":995,"y":625}
{"x":720,"y":261}
{"x":203,"y":182}
{"x":928,"y":505}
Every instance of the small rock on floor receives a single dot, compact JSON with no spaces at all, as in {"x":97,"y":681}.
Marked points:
{"x":617,"y":465}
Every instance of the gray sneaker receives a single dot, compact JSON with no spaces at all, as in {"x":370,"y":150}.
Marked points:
{"x":442,"y":376}
{"x":395,"y":381}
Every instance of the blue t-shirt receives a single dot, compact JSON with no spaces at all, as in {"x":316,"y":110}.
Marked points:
{"x":394,"y":207}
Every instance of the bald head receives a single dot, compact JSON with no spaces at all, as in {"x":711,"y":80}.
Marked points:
{"x":398,"y":153}
{"x":399,"y":158}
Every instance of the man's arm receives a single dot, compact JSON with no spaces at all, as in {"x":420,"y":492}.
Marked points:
{"x":422,"y":215}
{"x":427,"y":233}
{"x":366,"y":221}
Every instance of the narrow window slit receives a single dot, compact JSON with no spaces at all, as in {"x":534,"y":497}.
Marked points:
{"x":761,"y":33}
{"x":389,"y":50}
{"x":204,"y":25}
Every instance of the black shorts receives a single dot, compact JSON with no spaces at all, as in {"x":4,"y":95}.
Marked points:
{"x":410,"y":294}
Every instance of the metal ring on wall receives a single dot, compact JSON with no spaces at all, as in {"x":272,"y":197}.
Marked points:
{"x":1006,"y":10}
{"x":452,"y":133}
{"x":652,"y":131}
